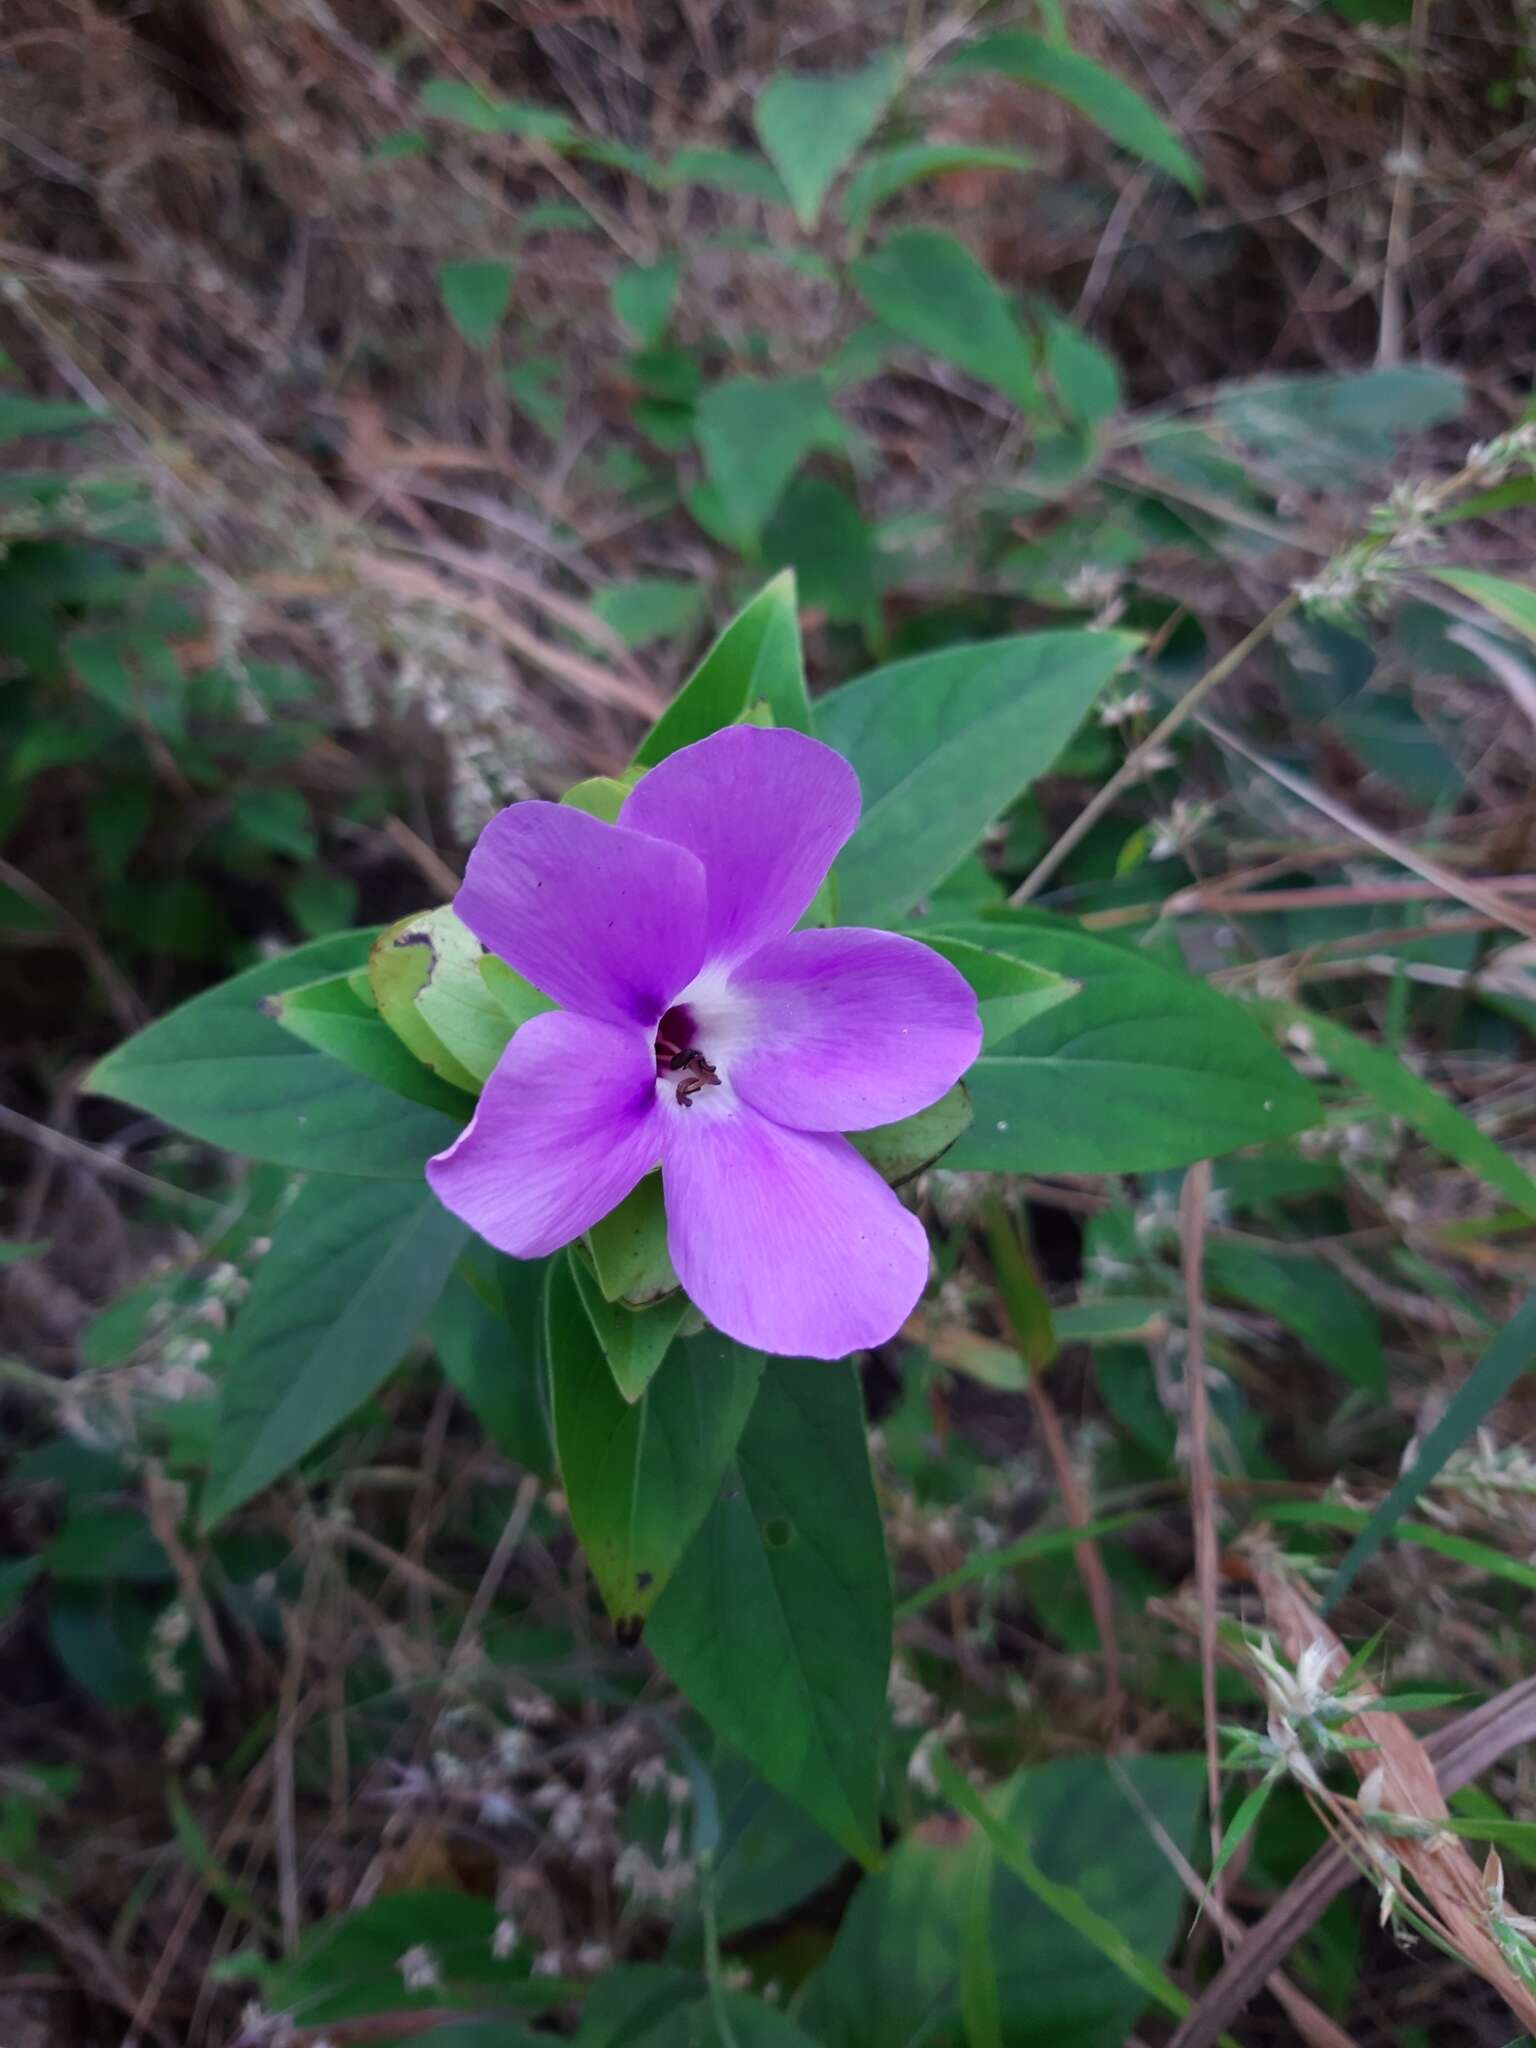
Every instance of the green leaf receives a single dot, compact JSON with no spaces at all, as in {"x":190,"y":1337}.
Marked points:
{"x":1311,"y":1299}
{"x":488,"y":1332}
{"x":1012,"y":1847}
{"x":1401,"y":1093}
{"x":353,"y":1273}
{"x":427,"y":979}
{"x":812,"y":126}
{"x":451,"y":99}
{"x":222,"y":1071}
{"x":634,"y":1340}
{"x":754,"y":435}
{"x":1009,"y":992}
{"x":777,"y":1624}
{"x":1242,"y":1823}
{"x":16,"y":1574}
{"x":276,"y":820}
{"x":1512,"y":603}
{"x":899,"y":1151}
{"x":881,"y":176}
{"x":820,"y":533}
{"x":21,"y":414}
{"x":1107,"y":100}
{"x":895,"y":1971}
{"x":1321,"y":431}
{"x":757,"y":658}
{"x":931,"y":290}
{"x":640,"y":1476}
{"x":643,"y":297}
{"x":517,"y":999}
{"x":1144,"y":1068}
{"x":649,"y":608}
{"x":943,"y":743}
{"x":1030,"y":1549}
{"x":334,"y":1019}
{"x":476,"y":296}
{"x":600,"y":796}
{"x":349,"y":1966}
{"x":653,"y":2005}
{"x":727,"y":170}
{"x":1464,"y":1549}
{"x":1085,"y":379}
{"x":629,"y":1248}
{"x":1507,"y":1358}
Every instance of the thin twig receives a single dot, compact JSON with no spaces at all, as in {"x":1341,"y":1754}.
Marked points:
{"x":1310,"y":2022}
{"x":99,"y":1161}
{"x":1491,"y":903}
{"x":1130,"y":768}
{"x":125,"y":1006}
{"x":512,"y":1534}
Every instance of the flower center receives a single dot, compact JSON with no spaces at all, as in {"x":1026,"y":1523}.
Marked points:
{"x":678,"y":1057}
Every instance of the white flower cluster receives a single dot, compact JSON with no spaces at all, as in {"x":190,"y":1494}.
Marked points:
{"x":1492,"y":461}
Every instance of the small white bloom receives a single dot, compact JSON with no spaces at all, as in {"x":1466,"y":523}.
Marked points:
{"x":418,"y":1969}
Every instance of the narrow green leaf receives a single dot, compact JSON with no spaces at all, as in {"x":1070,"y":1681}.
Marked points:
{"x":1028,"y":1550}
{"x":881,"y":176}
{"x":980,"y":2003}
{"x":1312,"y":1299}
{"x":1088,"y":1822}
{"x":640,"y":1476}
{"x":1510,"y":1355}
{"x":452,"y":99}
{"x":21,"y":414}
{"x":943,"y":743}
{"x":930,"y":289}
{"x":1107,"y":100}
{"x":812,"y":126}
{"x":1242,"y":1825}
{"x":222,"y":1071}
{"x":757,"y":657}
{"x":777,"y":1624}
{"x":727,"y":170}
{"x":195,"y":1847}
{"x":1013,"y":1852}
{"x":1514,"y":604}
{"x":1464,"y":1549}
{"x":1393,"y":1088}
{"x":351,"y":1278}
{"x":476,"y":296}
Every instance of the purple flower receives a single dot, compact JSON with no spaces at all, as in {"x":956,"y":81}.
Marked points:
{"x":700,"y":1030}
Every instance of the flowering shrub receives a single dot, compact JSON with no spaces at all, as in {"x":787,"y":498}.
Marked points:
{"x":654,"y":972}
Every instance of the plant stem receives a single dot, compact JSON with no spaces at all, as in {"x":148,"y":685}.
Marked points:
{"x":1129,"y":770}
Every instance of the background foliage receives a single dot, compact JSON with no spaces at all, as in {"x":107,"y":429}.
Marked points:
{"x":399,"y":405}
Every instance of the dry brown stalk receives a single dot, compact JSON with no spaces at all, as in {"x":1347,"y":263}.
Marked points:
{"x":1403,"y":1781}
